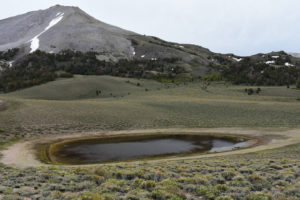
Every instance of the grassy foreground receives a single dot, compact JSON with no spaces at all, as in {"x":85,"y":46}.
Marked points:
{"x":72,"y":105}
{"x":264,"y":175}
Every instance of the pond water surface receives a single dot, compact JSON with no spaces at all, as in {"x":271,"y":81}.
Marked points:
{"x":97,"y":150}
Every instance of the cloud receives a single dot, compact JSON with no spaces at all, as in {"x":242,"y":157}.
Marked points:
{"x":242,"y":27}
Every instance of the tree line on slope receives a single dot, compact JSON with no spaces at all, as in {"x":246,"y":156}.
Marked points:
{"x":41,"y":67}
{"x":251,"y":71}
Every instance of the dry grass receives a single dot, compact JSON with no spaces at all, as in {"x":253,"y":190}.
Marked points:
{"x":176,"y":106}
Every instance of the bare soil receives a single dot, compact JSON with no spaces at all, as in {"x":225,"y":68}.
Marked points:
{"x":2,"y":106}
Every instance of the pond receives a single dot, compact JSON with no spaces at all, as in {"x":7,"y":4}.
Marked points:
{"x":97,"y":150}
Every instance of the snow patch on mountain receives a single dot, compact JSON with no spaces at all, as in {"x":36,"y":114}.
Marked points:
{"x":10,"y":63}
{"x":288,"y":64}
{"x":35,"y":42}
{"x":237,"y":59}
{"x":270,"y":62}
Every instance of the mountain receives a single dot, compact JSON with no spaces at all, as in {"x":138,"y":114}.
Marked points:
{"x":296,"y":55}
{"x":69,"y":28}
{"x":64,"y":27}
{"x":40,"y":46}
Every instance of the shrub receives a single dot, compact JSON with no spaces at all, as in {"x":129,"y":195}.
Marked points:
{"x":250,"y":91}
{"x":258,"y":90}
{"x":137,"y":182}
{"x":148,"y":185}
{"x":169,"y":185}
{"x":258,"y":197}
{"x":221,"y":188}
{"x":98,"y":179}
{"x":158,"y":194}
{"x":100,"y":172}
{"x":66,"y":75}
{"x":254,"y":178}
{"x":228,"y":175}
{"x":206,"y":192}
{"x":134,"y":42}
{"x":298,"y":84}
{"x":213,"y":77}
{"x":57,"y":195}
{"x":224,"y":198}
{"x":210,"y":192}
{"x":91,"y":196}
{"x":202,"y":181}
{"x":12,"y":197}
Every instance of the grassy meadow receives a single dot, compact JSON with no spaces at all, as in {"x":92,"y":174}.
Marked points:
{"x":94,"y":103}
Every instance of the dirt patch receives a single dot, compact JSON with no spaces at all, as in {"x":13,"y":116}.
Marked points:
{"x":22,"y":154}
{"x":2,"y":106}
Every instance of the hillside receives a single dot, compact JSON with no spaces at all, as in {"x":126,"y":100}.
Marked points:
{"x":88,"y":87}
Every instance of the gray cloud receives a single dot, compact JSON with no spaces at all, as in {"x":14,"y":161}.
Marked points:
{"x":242,"y":27}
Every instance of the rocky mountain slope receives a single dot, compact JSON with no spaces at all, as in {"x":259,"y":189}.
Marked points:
{"x":63,"y":27}
{"x":297,"y":55}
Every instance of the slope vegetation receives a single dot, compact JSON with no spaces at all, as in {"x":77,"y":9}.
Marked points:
{"x":88,"y":87}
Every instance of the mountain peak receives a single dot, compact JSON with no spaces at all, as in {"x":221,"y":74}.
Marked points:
{"x":63,"y":7}
{"x":66,"y":9}
{"x":63,"y":27}
{"x":58,"y":5}
{"x":69,"y":28}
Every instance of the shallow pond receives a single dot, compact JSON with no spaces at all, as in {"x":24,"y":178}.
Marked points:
{"x":96,"y":150}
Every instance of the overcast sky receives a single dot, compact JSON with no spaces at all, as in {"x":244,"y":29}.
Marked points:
{"x":242,"y":27}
